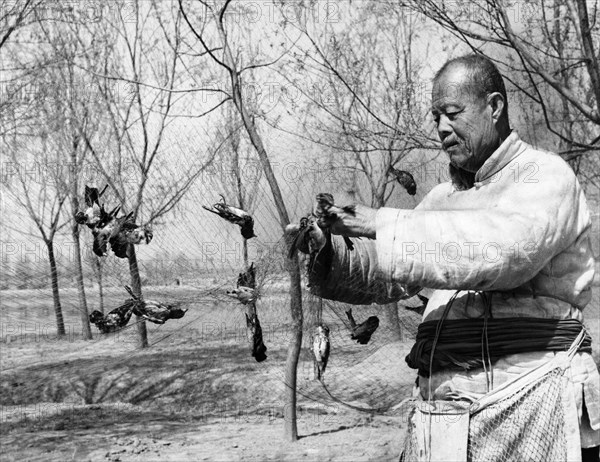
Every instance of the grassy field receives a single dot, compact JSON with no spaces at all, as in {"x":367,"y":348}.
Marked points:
{"x":195,"y":394}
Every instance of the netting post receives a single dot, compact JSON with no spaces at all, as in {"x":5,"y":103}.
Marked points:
{"x":294,"y":347}
{"x":136,"y":287}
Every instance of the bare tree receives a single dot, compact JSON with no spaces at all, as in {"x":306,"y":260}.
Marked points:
{"x":68,"y":100}
{"x":48,"y":69}
{"x":31,"y":181}
{"x":143,"y":176}
{"x":229,"y":61}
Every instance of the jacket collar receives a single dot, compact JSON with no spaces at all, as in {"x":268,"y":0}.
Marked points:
{"x":510,"y":148}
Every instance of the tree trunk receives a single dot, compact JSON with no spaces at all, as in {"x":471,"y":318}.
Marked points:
{"x":100,"y":284}
{"x":60,"y":323}
{"x":391,"y":317}
{"x":136,"y":286}
{"x":294,"y":347}
{"x":86,"y":331}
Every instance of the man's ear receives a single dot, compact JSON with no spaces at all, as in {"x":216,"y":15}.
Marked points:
{"x":496,"y":102}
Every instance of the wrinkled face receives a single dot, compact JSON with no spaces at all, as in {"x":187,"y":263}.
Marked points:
{"x":465,"y":122}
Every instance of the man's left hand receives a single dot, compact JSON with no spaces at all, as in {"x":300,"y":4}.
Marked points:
{"x":361,"y":223}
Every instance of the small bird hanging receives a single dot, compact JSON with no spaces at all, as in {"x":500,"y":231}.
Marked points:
{"x":126,"y":232}
{"x":93,"y":212}
{"x":104,"y":229}
{"x":108,"y":228}
{"x":242,"y":294}
{"x":327,"y":212}
{"x":255,"y":338}
{"x":405,"y":179}
{"x":321,"y":349}
{"x":154,"y":311}
{"x":247,"y":278}
{"x":115,"y":319}
{"x":309,"y":238}
{"x":234,"y":215}
{"x":362,"y":332}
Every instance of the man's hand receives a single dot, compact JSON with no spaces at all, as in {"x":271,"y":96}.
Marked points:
{"x":361,"y":223}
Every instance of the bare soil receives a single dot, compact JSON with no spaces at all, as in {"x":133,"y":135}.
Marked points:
{"x":195,"y":394}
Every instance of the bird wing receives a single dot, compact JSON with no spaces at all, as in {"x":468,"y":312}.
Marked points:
{"x":80,"y":218}
{"x":299,"y":239}
{"x":247,"y":278}
{"x":129,"y":225}
{"x":406,"y":180}
{"x":176,"y":312}
{"x":91,"y":196}
{"x":122,"y":314}
{"x":100,"y":243}
{"x":348,"y":242}
{"x":131,"y":294}
{"x":153,"y":311}
{"x":224,"y":213}
{"x":119,"y":244}
{"x":351,"y":318}
{"x":237,"y":211}
{"x":258,"y":348}
{"x":325,"y":352}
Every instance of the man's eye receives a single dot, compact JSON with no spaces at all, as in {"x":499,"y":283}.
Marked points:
{"x":452,"y":115}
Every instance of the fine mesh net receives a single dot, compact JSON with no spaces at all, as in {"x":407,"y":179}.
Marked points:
{"x":193,"y":260}
{"x":528,"y":425}
{"x":369,"y":377}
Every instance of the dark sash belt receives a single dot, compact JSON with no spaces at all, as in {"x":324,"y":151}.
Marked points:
{"x":462,"y":342}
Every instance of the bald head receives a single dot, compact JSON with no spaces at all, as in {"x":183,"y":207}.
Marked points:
{"x":482,"y":78}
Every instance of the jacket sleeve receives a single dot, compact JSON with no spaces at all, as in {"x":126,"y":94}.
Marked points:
{"x":352,"y":276}
{"x":495,"y":244}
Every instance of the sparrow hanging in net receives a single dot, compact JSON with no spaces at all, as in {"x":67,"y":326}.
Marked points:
{"x":234,"y":215}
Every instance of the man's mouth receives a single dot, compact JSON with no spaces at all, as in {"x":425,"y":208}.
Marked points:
{"x":449,"y":145}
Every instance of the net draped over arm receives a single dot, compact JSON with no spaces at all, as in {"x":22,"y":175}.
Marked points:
{"x":352,"y":276}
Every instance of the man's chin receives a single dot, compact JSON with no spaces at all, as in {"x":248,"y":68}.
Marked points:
{"x":458,"y":159}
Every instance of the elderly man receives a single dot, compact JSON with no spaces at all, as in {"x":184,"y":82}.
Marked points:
{"x":507,"y":245}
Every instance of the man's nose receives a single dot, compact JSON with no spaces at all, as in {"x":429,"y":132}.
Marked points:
{"x":443,"y":127}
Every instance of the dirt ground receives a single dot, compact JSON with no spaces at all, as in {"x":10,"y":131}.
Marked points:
{"x":195,"y":394}
{"x":248,"y":438}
